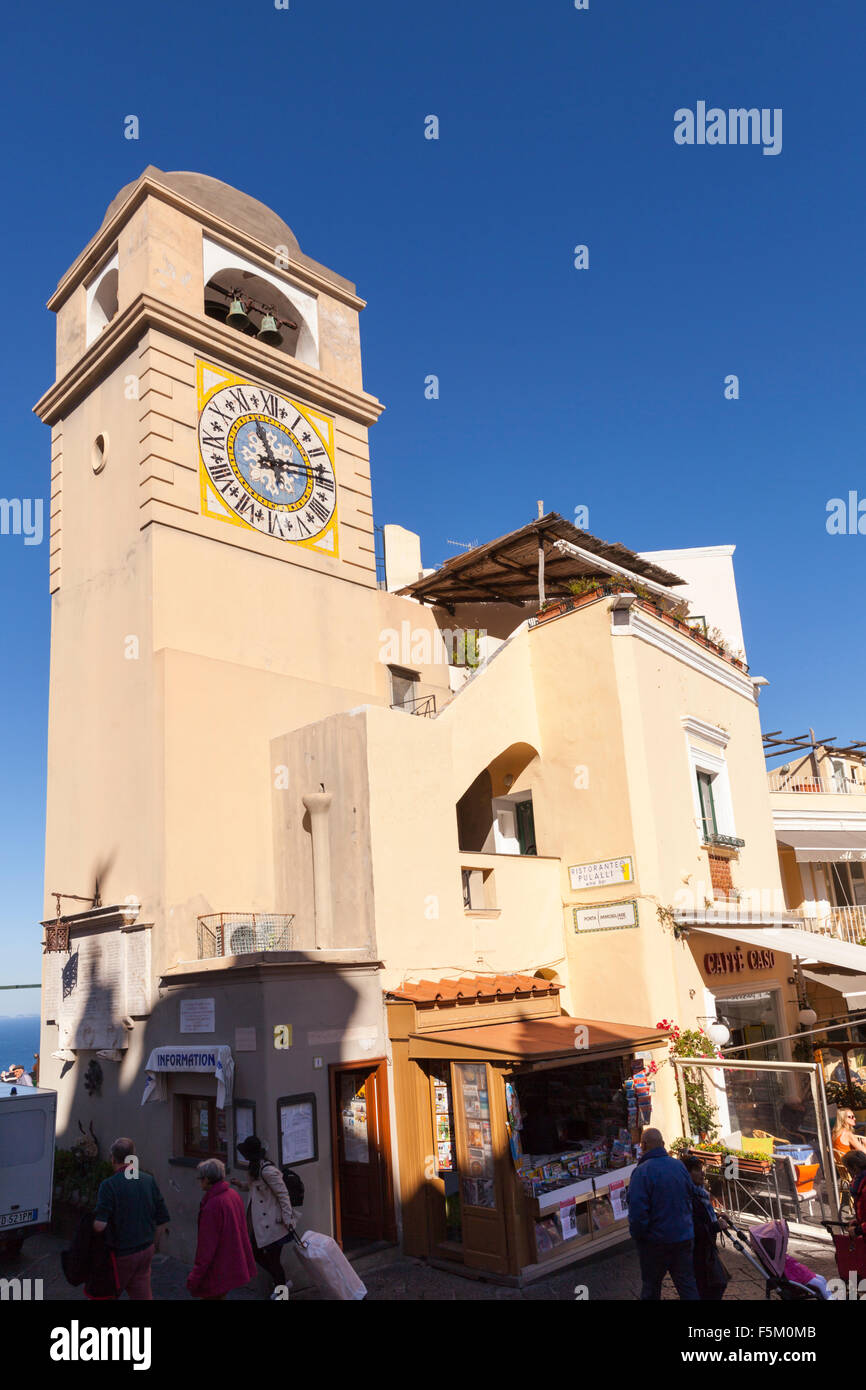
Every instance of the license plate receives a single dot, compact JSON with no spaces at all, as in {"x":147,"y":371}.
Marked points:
{"x":18,"y":1218}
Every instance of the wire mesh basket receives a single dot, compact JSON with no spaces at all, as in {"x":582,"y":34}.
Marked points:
{"x":243,"y":933}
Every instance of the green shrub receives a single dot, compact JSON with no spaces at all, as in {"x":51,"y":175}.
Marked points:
{"x":77,"y":1178}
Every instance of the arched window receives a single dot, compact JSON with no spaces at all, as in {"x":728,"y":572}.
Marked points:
{"x":102,"y":300}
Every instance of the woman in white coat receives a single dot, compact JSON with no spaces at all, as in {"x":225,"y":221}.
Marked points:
{"x":269,"y":1214}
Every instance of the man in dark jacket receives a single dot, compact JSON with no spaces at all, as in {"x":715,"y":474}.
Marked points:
{"x":660,"y":1220}
{"x":130,"y":1209}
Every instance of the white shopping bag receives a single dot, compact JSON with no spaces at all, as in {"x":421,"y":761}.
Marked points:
{"x":328,"y":1267}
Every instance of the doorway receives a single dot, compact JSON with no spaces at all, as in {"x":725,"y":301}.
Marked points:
{"x":361,"y":1142}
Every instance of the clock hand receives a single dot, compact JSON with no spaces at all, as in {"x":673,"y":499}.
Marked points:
{"x":277,"y":465}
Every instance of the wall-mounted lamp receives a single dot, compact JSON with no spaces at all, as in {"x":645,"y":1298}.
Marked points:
{"x":717,"y":1031}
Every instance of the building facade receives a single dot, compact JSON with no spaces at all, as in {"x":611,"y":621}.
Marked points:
{"x":382,"y":869}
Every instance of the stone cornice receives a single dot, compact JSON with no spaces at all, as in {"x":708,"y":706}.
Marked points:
{"x":684,"y":649}
{"x":96,"y":248}
{"x":843,"y":820}
{"x":205,"y":335}
{"x":710,"y":733}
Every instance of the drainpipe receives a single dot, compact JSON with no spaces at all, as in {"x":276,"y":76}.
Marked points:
{"x":318,"y":804}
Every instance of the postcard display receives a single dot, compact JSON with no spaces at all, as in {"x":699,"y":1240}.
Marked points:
{"x":477,"y":1187}
{"x":580,"y":1193}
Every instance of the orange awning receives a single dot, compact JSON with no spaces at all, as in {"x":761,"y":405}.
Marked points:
{"x":536,"y":1040}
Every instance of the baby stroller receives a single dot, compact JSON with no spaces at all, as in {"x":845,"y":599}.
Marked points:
{"x":768,"y":1255}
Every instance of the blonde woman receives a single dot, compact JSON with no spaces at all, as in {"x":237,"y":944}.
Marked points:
{"x":845,"y":1138}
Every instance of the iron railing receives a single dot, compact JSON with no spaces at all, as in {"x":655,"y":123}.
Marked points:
{"x":844,"y":923}
{"x":243,"y":933}
{"x":425,"y":705}
{"x":806,"y":779}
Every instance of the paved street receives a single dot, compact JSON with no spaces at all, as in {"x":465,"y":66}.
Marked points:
{"x":611,"y":1277}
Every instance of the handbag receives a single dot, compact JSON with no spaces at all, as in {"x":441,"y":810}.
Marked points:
{"x":850,"y":1254}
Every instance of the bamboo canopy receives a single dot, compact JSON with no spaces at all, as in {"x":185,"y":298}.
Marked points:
{"x":506,"y":570}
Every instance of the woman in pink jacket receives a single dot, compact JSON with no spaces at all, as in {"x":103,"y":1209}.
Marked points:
{"x":223,"y":1257}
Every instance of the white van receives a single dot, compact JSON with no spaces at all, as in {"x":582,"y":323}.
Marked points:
{"x":27,"y":1122}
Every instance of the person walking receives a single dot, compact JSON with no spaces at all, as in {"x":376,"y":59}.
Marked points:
{"x":660,"y":1220}
{"x":711,"y":1276}
{"x":131,"y":1210}
{"x":223,"y":1256}
{"x":269,"y":1214}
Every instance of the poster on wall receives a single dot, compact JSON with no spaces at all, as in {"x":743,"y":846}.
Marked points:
{"x":297,"y":1130}
{"x":198,"y":1015}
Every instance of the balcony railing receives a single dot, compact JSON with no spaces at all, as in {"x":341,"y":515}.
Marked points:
{"x":804,"y":779}
{"x":845,"y":923}
{"x":425,"y":705}
{"x":243,"y":933}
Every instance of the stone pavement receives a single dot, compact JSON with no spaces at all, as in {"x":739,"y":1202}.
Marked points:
{"x":612,"y":1276}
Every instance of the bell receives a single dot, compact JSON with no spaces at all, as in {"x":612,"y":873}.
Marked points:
{"x":269,"y":333}
{"x":237,"y":315}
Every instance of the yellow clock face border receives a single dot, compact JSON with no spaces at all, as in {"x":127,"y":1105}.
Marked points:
{"x":279,"y":449}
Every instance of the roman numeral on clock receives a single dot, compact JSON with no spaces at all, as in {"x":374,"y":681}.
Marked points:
{"x":314,"y":453}
{"x":323,"y":479}
{"x":320,"y":512}
{"x":269,"y":403}
{"x":237,"y":394}
{"x":243,"y":505}
{"x":221,"y":473}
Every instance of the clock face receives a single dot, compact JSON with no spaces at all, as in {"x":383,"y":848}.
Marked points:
{"x":267,"y":463}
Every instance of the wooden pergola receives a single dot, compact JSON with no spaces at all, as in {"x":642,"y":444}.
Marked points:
{"x":777,"y":745}
{"x":526,"y":566}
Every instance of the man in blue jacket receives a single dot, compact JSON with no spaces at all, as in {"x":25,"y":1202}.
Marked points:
{"x":660,"y":1220}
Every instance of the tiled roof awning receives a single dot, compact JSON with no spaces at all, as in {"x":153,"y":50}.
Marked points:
{"x":506,"y":570}
{"x":824,"y":846}
{"x":471,"y":989}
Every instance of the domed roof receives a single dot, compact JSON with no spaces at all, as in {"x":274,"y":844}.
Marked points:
{"x":233,"y":206}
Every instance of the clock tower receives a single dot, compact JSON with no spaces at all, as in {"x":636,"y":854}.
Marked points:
{"x":212,"y":560}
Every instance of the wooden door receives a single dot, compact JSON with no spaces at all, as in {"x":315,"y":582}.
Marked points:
{"x":362,"y":1152}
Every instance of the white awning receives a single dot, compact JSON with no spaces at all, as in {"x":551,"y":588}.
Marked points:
{"x":851,"y":987}
{"x":788,"y":941}
{"x":824,"y":846}
{"x":194,"y":1057}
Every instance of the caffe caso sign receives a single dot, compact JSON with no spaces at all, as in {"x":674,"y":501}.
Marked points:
{"x":732,"y":962}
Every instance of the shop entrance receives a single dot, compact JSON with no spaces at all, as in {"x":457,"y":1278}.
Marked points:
{"x":751,"y":1017}
{"x":468,"y":1221}
{"x":363,"y":1189}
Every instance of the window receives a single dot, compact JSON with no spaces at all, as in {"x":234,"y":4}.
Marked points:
{"x":849,"y":884}
{"x":479,"y":892}
{"x":404,"y":688}
{"x":205,"y":1132}
{"x":22,"y":1138}
{"x":707,"y":804}
{"x":710,"y":782}
{"x":526,"y":826}
{"x":514,"y":824}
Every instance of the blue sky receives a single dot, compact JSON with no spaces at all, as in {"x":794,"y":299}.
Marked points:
{"x":602,"y":387}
